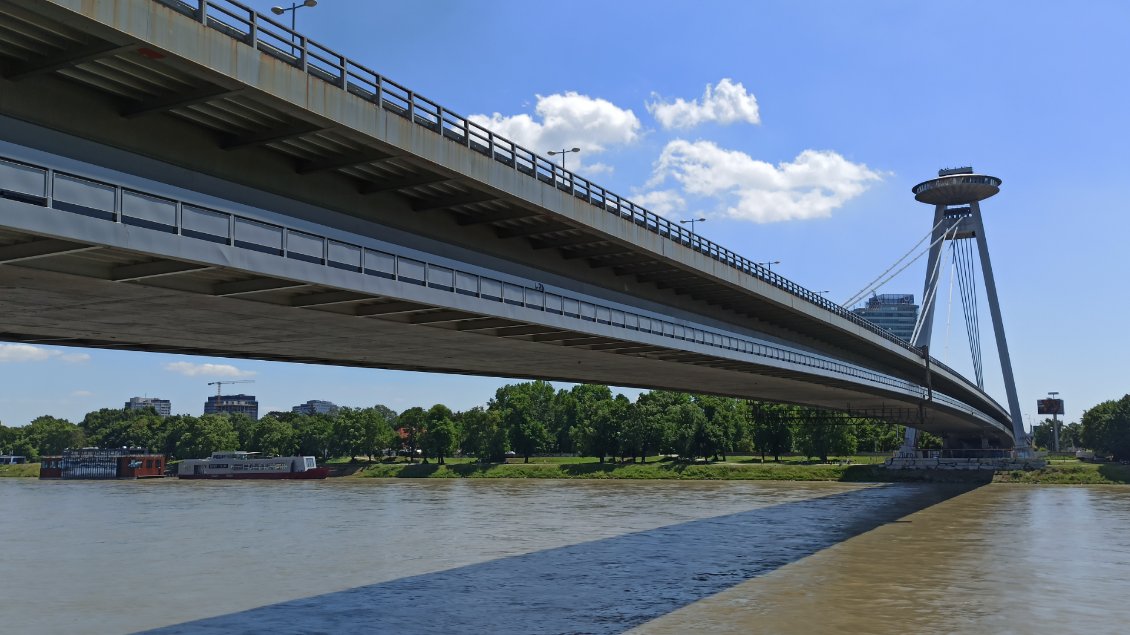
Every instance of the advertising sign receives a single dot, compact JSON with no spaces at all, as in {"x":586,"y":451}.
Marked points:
{"x":1049,"y":406}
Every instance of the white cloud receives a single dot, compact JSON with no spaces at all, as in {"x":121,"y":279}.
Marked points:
{"x":812,"y":185}
{"x":209,"y":370}
{"x":726,"y":103}
{"x":569,"y":120}
{"x":24,"y":353}
{"x":662,"y":202}
{"x":15,"y":353}
{"x":80,"y":394}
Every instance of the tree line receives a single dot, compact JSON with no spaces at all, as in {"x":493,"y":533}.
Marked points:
{"x":528,"y":419}
{"x":524,"y":419}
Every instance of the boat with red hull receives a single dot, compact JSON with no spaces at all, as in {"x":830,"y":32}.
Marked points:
{"x":248,"y":465}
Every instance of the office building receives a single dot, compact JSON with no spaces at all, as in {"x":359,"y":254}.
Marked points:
{"x":895,"y":312}
{"x":316,"y":407}
{"x":164,"y":407}
{"x":233,"y":404}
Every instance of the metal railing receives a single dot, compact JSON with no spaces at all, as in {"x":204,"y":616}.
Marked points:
{"x":279,"y":41}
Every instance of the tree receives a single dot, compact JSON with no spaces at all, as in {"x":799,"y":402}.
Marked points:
{"x":526,"y":410}
{"x":771,"y":429}
{"x":347,"y":433}
{"x":729,"y":417}
{"x":50,"y":436}
{"x":440,"y":439}
{"x":877,"y":436}
{"x":244,"y":427}
{"x":378,"y":434}
{"x":7,"y":439}
{"x":657,"y":426}
{"x":563,"y":422}
{"x":313,"y":433}
{"x":695,"y":435}
{"x":273,"y":437}
{"x":600,"y":425}
{"x":484,"y":436}
{"x":413,"y":421}
{"x":641,"y":434}
{"x":1043,"y":434}
{"x":204,"y":435}
{"x":121,"y":427}
{"x":817,"y":435}
{"x":1105,"y":428}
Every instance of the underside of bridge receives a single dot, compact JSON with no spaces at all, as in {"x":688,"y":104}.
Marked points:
{"x":63,"y":70}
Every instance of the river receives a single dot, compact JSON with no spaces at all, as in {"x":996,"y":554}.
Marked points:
{"x":517,"y":556}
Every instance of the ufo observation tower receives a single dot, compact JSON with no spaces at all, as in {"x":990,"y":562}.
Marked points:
{"x":956,"y":196}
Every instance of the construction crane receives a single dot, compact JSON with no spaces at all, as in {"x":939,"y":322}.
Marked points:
{"x":220,"y":384}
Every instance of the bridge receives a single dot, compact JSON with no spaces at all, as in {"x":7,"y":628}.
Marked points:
{"x":189,"y":176}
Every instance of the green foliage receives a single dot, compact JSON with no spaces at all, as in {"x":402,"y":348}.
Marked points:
{"x":771,"y":429}
{"x":1105,"y":428}
{"x":440,"y":439}
{"x":204,"y":435}
{"x":731,"y":419}
{"x":1043,"y":435}
{"x":526,"y":409}
{"x":695,"y":435}
{"x":644,"y":431}
{"x":484,"y":436}
{"x":600,"y":424}
{"x":46,"y":436}
{"x":271,"y":436}
{"x":817,"y":436}
{"x":413,"y":421}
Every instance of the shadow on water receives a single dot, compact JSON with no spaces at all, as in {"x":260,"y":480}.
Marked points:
{"x":603,"y":586}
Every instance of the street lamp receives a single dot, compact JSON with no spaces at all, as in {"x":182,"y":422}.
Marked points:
{"x":692,"y":221}
{"x":293,"y":8}
{"x":1055,"y":419}
{"x":562,"y":152}
{"x":769,"y":264}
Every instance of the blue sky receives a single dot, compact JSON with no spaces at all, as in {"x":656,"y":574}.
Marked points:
{"x":796,"y":128}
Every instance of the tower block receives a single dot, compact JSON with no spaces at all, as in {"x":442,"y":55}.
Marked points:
{"x":956,"y":196}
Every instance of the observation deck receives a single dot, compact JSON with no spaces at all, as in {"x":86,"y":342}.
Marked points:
{"x":956,"y":189}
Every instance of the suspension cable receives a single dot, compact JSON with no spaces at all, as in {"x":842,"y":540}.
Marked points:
{"x":967,"y":283}
{"x":932,"y":283}
{"x":872,"y":285}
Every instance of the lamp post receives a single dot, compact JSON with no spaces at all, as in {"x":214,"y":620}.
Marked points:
{"x":769,"y":264}
{"x":1055,"y":420}
{"x":562,"y":152}
{"x":692,"y":221}
{"x":293,"y":8}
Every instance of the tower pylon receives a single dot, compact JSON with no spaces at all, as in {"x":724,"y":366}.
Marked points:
{"x":956,"y":196}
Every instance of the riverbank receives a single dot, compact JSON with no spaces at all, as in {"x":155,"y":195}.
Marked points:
{"x":1068,"y":473}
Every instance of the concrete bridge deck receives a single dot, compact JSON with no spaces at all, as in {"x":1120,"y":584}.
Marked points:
{"x":225,"y":95}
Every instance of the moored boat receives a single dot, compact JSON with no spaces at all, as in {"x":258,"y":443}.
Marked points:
{"x":248,"y":465}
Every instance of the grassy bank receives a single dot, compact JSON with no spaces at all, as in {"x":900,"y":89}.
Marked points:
{"x":22,"y":470}
{"x":1066,"y":473}
{"x":1070,"y":473}
{"x":662,"y":470}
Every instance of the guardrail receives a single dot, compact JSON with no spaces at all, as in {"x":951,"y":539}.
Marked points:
{"x":281,"y":42}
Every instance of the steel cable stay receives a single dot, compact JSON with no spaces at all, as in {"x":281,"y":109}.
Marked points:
{"x":877,"y":283}
{"x":964,"y":263}
{"x":932,"y":283}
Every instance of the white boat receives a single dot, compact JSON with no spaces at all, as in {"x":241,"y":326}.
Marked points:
{"x":248,"y":465}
